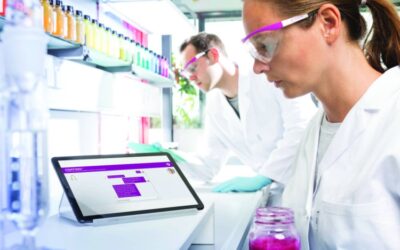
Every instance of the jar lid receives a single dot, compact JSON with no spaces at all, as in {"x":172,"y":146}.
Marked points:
{"x":274,"y":215}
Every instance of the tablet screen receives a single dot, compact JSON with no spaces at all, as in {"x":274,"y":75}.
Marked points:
{"x":105,"y":186}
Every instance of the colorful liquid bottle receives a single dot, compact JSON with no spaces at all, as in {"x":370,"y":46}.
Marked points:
{"x":80,"y":27}
{"x":138,"y":54}
{"x":121,"y":47}
{"x":59,"y":17}
{"x":128,"y":54}
{"x":114,"y":44}
{"x":71,"y":23}
{"x":47,"y":16}
{"x":273,"y":228}
{"x":87,"y":21}
{"x":95,"y":33}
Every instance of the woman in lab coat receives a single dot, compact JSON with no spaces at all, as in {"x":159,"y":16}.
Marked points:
{"x":345,"y":190}
{"x":244,"y":116}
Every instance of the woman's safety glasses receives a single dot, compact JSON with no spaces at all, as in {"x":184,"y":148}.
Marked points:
{"x":191,"y":66}
{"x":263,"y":42}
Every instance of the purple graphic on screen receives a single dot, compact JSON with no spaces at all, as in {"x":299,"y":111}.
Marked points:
{"x":115,"y":167}
{"x":126,"y":190}
{"x":129,"y":180}
{"x":115,"y":176}
{"x":138,"y":171}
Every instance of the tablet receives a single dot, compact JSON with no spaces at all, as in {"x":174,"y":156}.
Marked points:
{"x":105,"y":186}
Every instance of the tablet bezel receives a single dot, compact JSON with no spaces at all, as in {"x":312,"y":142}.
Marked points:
{"x":88,"y":219}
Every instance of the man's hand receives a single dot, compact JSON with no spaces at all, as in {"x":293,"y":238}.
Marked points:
{"x":155,"y":147}
{"x":243,"y":184}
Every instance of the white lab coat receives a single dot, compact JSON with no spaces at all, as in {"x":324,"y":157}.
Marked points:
{"x":356,"y":205}
{"x":265,"y":137}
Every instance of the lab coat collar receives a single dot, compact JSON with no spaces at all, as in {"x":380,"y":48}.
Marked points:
{"x":357,"y":119}
{"x":220,"y":107}
{"x":382,"y":90}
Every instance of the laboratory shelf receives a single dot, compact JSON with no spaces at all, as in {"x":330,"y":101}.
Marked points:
{"x":59,"y":43}
{"x":151,"y":77}
{"x":91,"y":57}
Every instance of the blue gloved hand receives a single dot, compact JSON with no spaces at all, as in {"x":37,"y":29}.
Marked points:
{"x":143,"y":148}
{"x":172,"y":152}
{"x":155,"y":147}
{"x":243,"y":184}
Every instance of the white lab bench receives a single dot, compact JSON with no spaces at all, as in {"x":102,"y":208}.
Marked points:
{"x":229,"y":214}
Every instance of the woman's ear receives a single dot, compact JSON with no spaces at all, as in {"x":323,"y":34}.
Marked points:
{"x":213,"y":55}
{"x":330,"y":22}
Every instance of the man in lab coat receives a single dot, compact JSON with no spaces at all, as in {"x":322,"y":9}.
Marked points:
{"x":244,"y":116}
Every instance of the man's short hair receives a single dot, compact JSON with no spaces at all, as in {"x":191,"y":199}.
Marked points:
{"x":204,"y":41}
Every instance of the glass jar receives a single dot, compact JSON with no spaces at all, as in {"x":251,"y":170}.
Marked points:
{"x":80,"y":27}
{"x":273,"y":228}
{"x":71,"y":24}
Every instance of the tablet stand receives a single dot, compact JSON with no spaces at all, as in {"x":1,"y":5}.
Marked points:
{"x":65,"y":210}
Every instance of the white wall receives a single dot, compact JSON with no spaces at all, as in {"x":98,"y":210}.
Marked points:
{"x":93,"y":112}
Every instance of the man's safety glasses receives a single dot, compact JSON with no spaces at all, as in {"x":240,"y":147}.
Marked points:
{"x":262,"y":47}
{"x":191,"y":66}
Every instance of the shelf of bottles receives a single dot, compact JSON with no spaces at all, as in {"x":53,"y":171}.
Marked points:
{"x":78,"y":37}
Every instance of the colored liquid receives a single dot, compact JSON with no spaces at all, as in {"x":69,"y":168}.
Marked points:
{"x":80,"y":31}
{"x":88,"y":33}
{"x":271,"y":243}
{"x":47,"y":17}
{"x":71,"y":30}
{"x":59,"y":22}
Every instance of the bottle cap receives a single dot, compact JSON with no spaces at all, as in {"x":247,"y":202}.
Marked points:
{"x":70,"y":8}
